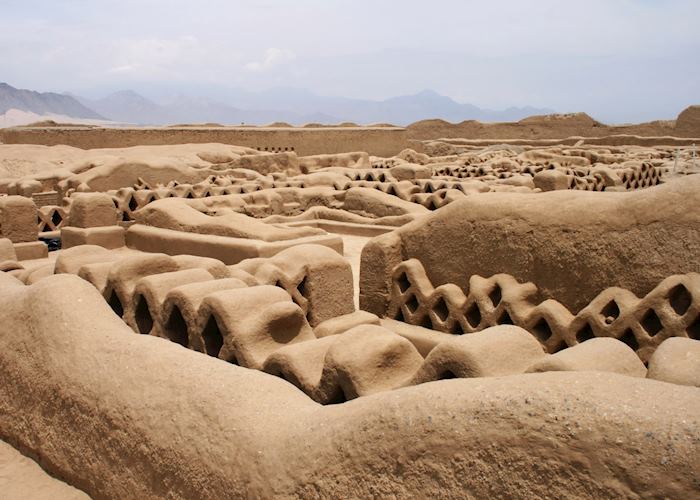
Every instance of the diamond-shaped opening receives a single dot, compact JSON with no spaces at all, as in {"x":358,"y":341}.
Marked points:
{"x":116,"y":304}
{"x":610,"y":312}
{"x":426,"y":322}
{"x":412,"y":304}
{"x":56,"y":218}
{"x":213,"y":340}
{"x":629,"y":339}
{"x":176,"y":328}
{"x":302,"y":288}
{"x":679,"y":297}
{"x":441,"y":310}
{"x":585,"y":333}
{"x":651,"y":322}
{"x":504,"y":319}
{"x":44,"y":228}
{"x":133,"y":205}
{"x":694,"y":329}
{"x":125,"y":217}
{"x":473,"y":315}
{"x":399,"y":315}
{"x":542,"y":331}
{"x":404,"y":283}
{"x":144,"y":320}
{"x":189,"y":195}
{"x":495,"y":295}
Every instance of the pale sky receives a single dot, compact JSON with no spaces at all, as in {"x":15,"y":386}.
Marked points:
{"x":618,"y":60}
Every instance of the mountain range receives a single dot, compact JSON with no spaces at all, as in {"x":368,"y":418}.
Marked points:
{"x":43,"y":103}
{"x":294,"y":106}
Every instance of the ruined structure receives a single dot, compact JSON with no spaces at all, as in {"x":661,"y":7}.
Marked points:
{"x":454,"y":320}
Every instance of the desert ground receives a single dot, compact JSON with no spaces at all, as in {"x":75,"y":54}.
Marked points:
{"x":451,"y":310}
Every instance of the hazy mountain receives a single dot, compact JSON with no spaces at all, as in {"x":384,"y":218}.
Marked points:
{"x":129,"y":107}
{"x":236,"y":106}
{"x":401,"y":110}
{"x":43,"y":103}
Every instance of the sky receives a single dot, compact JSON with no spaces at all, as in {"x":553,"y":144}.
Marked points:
{"x":618,"y":60}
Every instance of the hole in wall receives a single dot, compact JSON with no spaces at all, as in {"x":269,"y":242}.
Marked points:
{"x":542,"y":331}
{"x":651,"y":322}
{"x":585,"y":333}
{"x":441,"y":310}
{"x":412,"y":304}
{"x":495,"y":295}
{"x":56,"y":218}
{"x":211,"y":335}
{"x":473,"y":315}
{"x":144,"y":320}
{"x":505,"y":319}
{"x":447,"y":375}
{"x":629,"y":339}
{"x":176,"y":328}
{"x":116,"y":304}
{"x":693,"y":329}
{"x":610,"y":312}
{"x":680,"y":299}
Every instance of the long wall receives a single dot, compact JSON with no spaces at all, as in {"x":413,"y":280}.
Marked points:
{"x":379,"y":141}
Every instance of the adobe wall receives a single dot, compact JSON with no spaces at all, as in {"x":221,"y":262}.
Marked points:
{"x":378,"y":141}
{"x":134,"y":416}
{"x":572,"y":245}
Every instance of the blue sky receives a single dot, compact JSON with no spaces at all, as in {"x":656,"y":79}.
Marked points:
{"x":619,"y":60}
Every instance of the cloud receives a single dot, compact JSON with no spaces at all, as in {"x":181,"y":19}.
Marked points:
{"x":273,"y":57}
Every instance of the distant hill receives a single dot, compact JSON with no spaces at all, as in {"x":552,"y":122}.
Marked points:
{"x":130,"y":107}
{"x":237,"y":106}
{"x":401,"y":110}
{"x":295,"y":106}
{"x":43,"y":103}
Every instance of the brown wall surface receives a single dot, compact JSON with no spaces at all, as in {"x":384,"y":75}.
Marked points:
{"x":379,"y":141}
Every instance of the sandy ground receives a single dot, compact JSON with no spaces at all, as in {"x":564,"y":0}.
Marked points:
{"x":22,"y":479}
{"x":352,"y":250}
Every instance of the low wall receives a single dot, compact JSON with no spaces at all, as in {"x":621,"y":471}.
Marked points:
{"x":379,"y":141}
{"x":121,"y":415}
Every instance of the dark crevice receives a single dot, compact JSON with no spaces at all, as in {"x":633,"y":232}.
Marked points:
{"x":505,"y":319}
{"x":629,"y":339}
{"x":447,"y":375}
{"x":585,"y":333}
{"x":694,"y":329}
